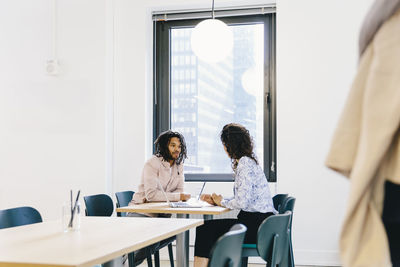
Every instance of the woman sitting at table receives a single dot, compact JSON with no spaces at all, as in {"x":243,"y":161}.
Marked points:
{"x":251,"y":194}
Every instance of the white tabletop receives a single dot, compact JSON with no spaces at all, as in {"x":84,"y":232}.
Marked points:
{"x":162,"y":207}
{"x":100,"y":239}
{"x":182,"y":240}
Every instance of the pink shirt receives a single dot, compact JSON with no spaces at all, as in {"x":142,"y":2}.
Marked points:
{"x":170,"y":177}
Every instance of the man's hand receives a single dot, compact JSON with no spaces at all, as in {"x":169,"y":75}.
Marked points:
{"x":207,"y":198}
{"x":217,"y":199}
{"x":184,"y":196}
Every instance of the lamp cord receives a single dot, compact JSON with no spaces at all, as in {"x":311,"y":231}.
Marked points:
{"x":212,"y":12}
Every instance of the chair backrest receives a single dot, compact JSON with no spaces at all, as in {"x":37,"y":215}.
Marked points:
{"x":227,"y":251}
{"x":278,"y":200}
{"x":19,"y":216}
{"x":288,"y":205}
{"x":273,"y":239}
{"x":99,"y":205}
{"x":123,"y":199}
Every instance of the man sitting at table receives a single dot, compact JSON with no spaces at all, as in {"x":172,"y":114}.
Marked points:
{"x":166,"y":166}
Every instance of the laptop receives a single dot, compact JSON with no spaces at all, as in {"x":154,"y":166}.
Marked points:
{"x":177,"y":204}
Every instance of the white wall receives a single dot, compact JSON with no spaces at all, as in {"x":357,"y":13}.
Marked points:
{"x":52,"y":135}
{"x":90,"y":126}
{"x":316,"y":60}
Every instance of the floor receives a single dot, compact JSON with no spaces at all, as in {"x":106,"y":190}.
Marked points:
{"x":166,"y":264}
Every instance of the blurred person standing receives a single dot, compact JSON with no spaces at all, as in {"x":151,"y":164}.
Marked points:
{"x":366,"y":145}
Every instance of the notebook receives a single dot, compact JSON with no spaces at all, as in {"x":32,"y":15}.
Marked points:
{"x":177,"y":204}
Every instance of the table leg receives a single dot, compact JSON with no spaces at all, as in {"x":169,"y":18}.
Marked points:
{"x":182,"y":246}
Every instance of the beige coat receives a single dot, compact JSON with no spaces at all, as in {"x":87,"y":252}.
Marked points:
{"x":366,"y":147}
{"x":171,"y":179}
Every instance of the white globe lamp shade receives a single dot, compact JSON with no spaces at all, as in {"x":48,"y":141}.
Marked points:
{"x":212,"y":40}
{"x":252,"y":80}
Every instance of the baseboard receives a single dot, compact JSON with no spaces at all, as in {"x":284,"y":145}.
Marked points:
{"x":302,"y":257}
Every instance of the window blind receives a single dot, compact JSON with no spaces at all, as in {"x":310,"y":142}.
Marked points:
{"x":218,"y":13}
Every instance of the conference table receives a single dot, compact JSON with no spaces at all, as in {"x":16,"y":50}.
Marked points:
{"x":182,"y":240}
{"x":99,"y":240}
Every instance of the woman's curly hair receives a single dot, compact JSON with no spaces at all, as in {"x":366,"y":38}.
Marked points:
{"x":161,"y":146}
{"x":238,"y":142}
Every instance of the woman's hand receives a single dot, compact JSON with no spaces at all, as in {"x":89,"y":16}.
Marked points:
{"x":184,"y":196}
{"x":217,"y":199}
{"x":207,"y":198}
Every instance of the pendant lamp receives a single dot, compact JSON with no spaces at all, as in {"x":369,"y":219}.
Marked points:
{"x":212,"y":39}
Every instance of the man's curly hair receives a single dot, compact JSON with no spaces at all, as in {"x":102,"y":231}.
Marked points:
{"x":238,"y":142}
{"x":161,"y":146}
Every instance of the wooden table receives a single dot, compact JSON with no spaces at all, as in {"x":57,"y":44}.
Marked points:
{"x":182,"y":240}
{"x":99,"y":240}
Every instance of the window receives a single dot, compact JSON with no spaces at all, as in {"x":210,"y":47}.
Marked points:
{"x":197,"y":98}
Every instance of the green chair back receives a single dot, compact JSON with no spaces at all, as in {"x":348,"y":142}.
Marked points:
{"x":123,"y":199}
{"x":99,"y":205}
{"x":273,"y":239}
{"x":19,"y":216}
{"x":279,"y":200}
{"x":227,"y":251}
{"x":289,"y":206}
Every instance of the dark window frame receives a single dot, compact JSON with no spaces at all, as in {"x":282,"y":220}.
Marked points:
{"x":161,"y":86}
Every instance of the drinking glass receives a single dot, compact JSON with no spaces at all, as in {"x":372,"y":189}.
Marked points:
{"x":71,"y":217}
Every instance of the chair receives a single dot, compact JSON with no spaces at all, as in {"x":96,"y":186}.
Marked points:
{"x":278,"y":200}
{"x":272,"y":241}
{"x":227,"y":250}
{"x":123,"y":199}
{"x":19,"y":216}
{"x":98,"y":205}
{"x":102,"y":205}
{"x":289,"y":206}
